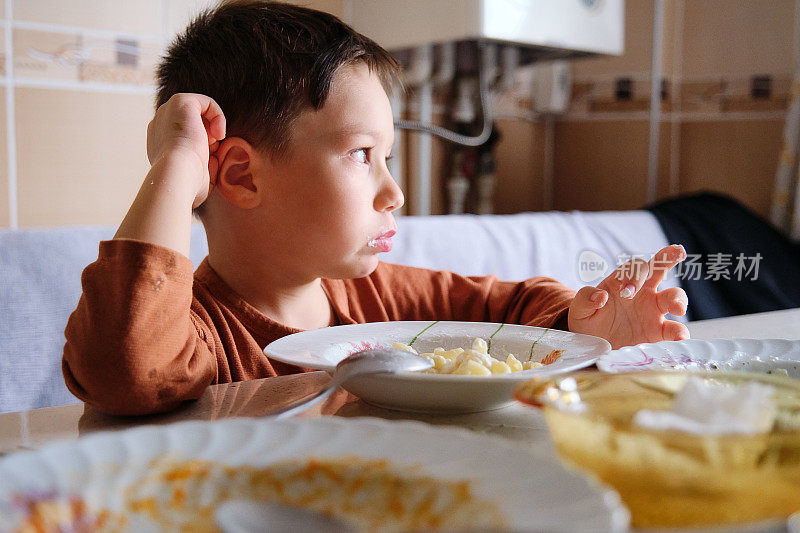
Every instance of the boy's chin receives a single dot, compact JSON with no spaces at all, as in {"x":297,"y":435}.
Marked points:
{"x":361,"y":268}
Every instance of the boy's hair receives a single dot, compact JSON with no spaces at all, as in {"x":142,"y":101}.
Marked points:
{"x":264,"y":62}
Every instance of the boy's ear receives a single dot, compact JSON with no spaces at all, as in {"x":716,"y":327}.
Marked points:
{"x":237,"y":178}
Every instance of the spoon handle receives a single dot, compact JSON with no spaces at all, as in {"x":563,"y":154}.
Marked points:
{"x":304,"y":403}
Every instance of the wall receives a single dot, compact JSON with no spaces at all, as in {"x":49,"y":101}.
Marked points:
{"x":80,"y":104}
{"x":72,"y":129}
{"x":78,"y":80}
{"x":714,"y":134}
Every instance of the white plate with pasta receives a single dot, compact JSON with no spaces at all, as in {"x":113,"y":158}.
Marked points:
{"x":468,"y":376}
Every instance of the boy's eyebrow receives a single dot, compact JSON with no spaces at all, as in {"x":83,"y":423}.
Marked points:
{"x":356,"y":131}
{"x":351,"y":131}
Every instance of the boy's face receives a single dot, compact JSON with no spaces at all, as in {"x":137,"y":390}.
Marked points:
{"x":331,"y":196}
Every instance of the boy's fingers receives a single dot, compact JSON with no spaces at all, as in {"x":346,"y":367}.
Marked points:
{"x":664,"y":261}
{"x":587,"y":301}
{"x":214,"y":131}
{"x":216,"y":128}
{"x":629,"y":277}
{"x":673,"y":301}
{"x":213,"y":117}
{"x":674,"y":331}
{"x":637,"y":273}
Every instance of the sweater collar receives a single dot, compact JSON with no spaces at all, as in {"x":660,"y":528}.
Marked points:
{"x":255,"y":320}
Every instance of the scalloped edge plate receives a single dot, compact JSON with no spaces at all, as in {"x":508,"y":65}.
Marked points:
{"x":533,"y":489}
{"x":752,"y":355}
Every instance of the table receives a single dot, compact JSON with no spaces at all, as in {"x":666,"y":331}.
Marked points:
{"x":34,"y":428}
{"x":772,"y":325}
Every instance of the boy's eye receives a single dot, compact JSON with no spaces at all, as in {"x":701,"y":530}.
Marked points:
{"x":360,"y":155}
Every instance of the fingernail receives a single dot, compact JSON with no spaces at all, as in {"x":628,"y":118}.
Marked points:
{"x":628,"y":291}
{"x":681,"y":250}
{"x":596,"y":297}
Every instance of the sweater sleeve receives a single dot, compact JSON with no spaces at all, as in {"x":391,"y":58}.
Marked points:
{"x":408,"y":293}
{"x":133,"y":345}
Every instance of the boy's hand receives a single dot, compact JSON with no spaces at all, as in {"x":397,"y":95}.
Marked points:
{"x":189,"y":127}
{"x":626,"y":309}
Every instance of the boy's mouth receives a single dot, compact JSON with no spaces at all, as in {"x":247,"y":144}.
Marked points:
{"x":382,"y":243}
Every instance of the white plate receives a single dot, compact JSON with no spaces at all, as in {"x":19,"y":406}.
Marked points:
{"x":532,"y":490}
{"x":752,"y":355}
{"x":322,"y":349}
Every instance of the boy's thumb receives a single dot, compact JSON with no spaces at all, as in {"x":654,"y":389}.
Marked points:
{"x":588,"y":300}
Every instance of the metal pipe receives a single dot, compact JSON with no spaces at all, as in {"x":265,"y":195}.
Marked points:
{"x":675,"y":114}
{"x":444,"y":133}
{"x":424,"y":150}
{"x":419,"y":75}
{"x":655,"y":101}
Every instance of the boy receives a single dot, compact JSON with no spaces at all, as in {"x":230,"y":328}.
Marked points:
{"x":273,"y":121}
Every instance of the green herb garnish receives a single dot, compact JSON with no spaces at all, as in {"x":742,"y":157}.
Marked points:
{"x":421,"y":332}
{"x":489,"y":342}
{"x":530,"y":356}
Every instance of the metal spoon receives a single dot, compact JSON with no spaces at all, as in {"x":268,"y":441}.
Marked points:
{"x":247,"y":516}
{"x":372,"y":361}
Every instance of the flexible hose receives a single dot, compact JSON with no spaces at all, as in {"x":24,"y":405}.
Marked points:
{"x":452,"y":136}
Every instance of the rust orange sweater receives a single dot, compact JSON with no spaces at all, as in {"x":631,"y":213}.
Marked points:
{"x":148,"y":334}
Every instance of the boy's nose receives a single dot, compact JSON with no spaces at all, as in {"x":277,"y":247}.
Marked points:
{"x":390,"y":196}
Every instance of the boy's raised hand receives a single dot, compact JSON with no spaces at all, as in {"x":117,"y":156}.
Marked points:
{"x":626,"y":308}
{"x":182,"y":140}
{"x":188,"y":127}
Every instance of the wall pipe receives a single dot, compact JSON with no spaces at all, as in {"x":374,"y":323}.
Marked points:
{"x":655,"y":101}
{"x":464,"y":140}
{"x":419,"y":75}
{"x":447,"y":64}
{"x":675,"y":114}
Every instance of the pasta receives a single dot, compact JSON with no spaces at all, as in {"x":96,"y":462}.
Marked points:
{"x":476,"y":361}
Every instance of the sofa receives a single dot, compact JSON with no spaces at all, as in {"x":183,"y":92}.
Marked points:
{"x":40,"y":274}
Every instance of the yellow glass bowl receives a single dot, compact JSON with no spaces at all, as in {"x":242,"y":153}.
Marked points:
{"x":673,"y":478}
